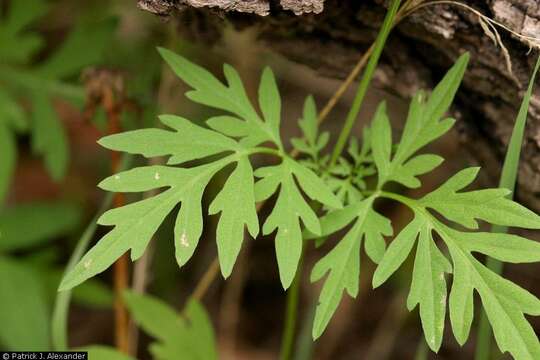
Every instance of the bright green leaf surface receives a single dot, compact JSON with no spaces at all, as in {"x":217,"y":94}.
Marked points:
{"x":342,"y":263}
{"x":491,"y":205}
{"x":137,"y":222}
{"x":290,"y":208}
{"x":236,"y":202}
{"x":134,"y":224}
{"x":208,"y":90}
{"x":423,"y":125}
{"x":505,"y":302}
{"x":187,"y":142}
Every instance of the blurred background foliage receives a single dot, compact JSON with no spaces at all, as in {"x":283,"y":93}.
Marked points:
{"x":50,"y":164}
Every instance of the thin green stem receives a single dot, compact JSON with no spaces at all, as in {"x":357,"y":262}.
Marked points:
{"x":59,"y":322}
{"x":393,"y":196}
{"x":366,"y":79}
{"x":304,"y":342}
{"x":483,"y":344}
{"x":507,"y":180}
{"x":266,"y":150}
{"x":291,"y":312}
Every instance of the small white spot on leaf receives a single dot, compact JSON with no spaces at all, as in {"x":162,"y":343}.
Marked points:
{"x":87,"y":263}
{"x":116,"y":177}
{"x":184,"y":240}
{"x":156,"y":176}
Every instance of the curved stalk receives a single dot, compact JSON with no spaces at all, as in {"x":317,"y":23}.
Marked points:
{"x":366,"y":79}
{"x":291,"y":312}
{"x":59,"y":321}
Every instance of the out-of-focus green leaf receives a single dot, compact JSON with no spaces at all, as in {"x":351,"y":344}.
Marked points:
{"x":83,"y":47}
{"x":189,"y":334}
{"x":23,"y":308}
{"x":11,"y":113}
{"x":16,"y":45}
{"x":11,"y":120}
{"x":48,"y":136}
{"x":92,"y":293}
{"x":8,"y":154}
{"x":32,"y":224}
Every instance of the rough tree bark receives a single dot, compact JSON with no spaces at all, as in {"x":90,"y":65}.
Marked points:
{"x":331,"y":36}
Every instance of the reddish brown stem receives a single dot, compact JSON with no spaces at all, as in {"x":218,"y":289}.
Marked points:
{"x":105,"y":88}
{"x":121,"y":279}
{"x":121,"y":266}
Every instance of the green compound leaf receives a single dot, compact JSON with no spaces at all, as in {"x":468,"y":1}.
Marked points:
{"x":342,"y":263}
{"x":398,"y":250}
{"x":504,"y":302}
{"x":214,"y":150}
{"x":236,"y":202}
{"x":190,"y":333}
{"x":423,"y":125}
{"x":208,"y":90}
{"x":347,"y":178}
{"x":187,"y":142}
{"x":309,"y":122}
{"x":312,"y":142}
{"x":136,"y":223}
{"x":491,"y":205}
{"x":290,"y":208}
{"x":428,"y":287}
